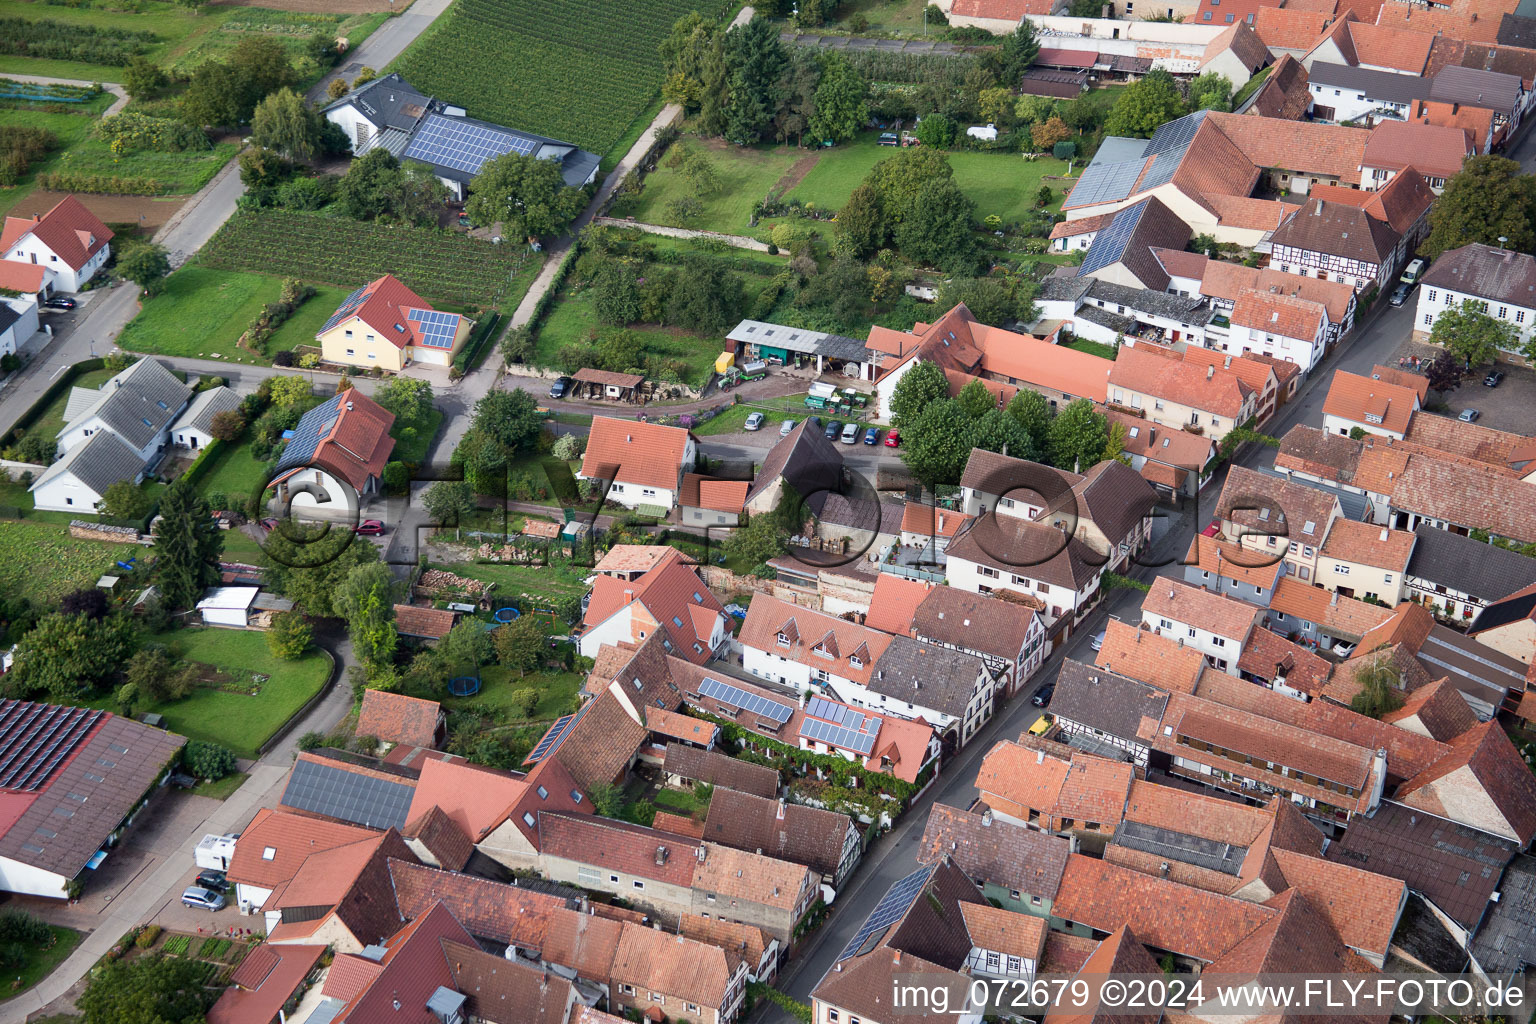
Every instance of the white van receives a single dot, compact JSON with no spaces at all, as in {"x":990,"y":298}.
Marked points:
{"x":1412,"y":271}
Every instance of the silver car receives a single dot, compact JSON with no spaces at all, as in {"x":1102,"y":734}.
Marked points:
{"x":203,"y":899}
{"x":755,"y":421}
{"x":787,"y":427}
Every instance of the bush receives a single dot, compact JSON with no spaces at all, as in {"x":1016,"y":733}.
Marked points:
{"x":282,"y":359}
{"x":366,"y":744}
{"x":312,"y":740}
{"x":147,"y":936}
{"x":289,"y":636}
{"x":568,"y":447}
{"x":208,"y":760}
{"x":20,"y":926}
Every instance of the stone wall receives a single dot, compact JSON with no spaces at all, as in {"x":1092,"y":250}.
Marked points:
{"x":101,"y":531}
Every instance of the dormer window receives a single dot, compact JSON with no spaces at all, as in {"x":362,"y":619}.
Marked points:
{"x":1371,"y":417}
{"x":854,"y":661}
{"x":783,"y":639}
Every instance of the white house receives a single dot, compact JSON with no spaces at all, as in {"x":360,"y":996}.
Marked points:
{"x":1001,"y":552}
{"x":642,"y":464}
{"x":1275,"y":324}
{"x":1501,"y":282}
{"x":78,"y":482}
{"x":69,"y":241}
{"x":18,"y":322}
{"x":1342,"y":92}
{"x":669,"y":599}
{"x":1215,"y":625}
{"x":194,"y":427}
{"x":332,"y":465}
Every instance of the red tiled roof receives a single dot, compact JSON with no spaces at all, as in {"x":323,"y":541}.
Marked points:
{"x":384,"y":305}
{"x":619,"y":846}
{"x":396,"y":718}
{"x":1068,"y":228}
{"x":1001,"y":10}
{"x":72,"y":232}
{"x":767,"y":617}
{"x":679,"y":726}
{"x":1182,"y":602}
{"x":477,"y":799}
{"x":1085,"y":788}
{"x":636,"y":558}
{"x":1353,"y":397}
{"x":1435,"y":150}
{"x":1138,"y":368}
{"x":671,"y":591}
{"x":630,"y":452}
{"x":421,"y":621}
{"x":1495,"y":766}
{"x":925,"y":519}
{"x":1272,"y":657}
{"x":1388,"y":47}
{"x":263,"y":983}
{"x":1152,"y":659}
{"x":21,"y":277}
{"x":292,"y":838}
{"x":1289,"y":28}
{"x":894,"y":603}
{"x":358,"y":443}
{"x":413,"y":968}
{"x":1437,"y":710}
{"x":1285,"y":315}
{"x":716,"y":495}
{"x":1368,"y":544}
{"x":1284,"y":94}
{"x":444,"y":840}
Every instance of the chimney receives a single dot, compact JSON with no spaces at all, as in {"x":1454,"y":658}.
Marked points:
{"x":1335,"y":602}
{"x":1039,"y":757}
{"x":1227,"y":364}
{"x":661,"y":855}
{"x":349,"y":407}
{"x":1210,"y":371}
{"x":780,"y":814}
{"x":895,"y":956}
{"x":629,"y":596}
{"x":1384,"y":532}
{"x":629,"y":438}
{"x":986,"y":819}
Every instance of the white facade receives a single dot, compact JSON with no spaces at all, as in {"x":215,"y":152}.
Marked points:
{"x":30,"y":249}
{"x":312,"y":493}
{"x":985,"y":579}
{"x":1221,"y":651}
{"x":26,"y":324}
{"x":1353,"y":104}
{"x":1433,"y":301}
{"x":632,"y":495}
{"x":1242,"y":340}
{"x":24,"y":878}
{"x":65,"y":492}
{"x":227,"y":606}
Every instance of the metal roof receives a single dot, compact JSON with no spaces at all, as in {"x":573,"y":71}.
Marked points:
{"x":1179,"y":846}
{"x":1377,"y":85}
{"x":798,"y":339}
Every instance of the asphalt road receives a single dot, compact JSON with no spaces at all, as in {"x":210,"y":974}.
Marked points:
{"x":894,"y":855}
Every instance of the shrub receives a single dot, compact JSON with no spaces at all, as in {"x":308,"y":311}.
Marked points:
{"x":147,"y":936}
{"x":366,"y":744}
{"x":282,"y":359}
{"x":312,"y":740}
{"x":20,"y":926}
{"x":289,"y":636}
{"x":208,"y":760}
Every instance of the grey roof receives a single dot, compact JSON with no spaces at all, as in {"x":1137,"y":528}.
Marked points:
{"x":1487,"y":272}
{"x":1108,"y":701}
{"x":360,"y":798}
{"x":137,"y":403}
{"x":1426,"y":938}
{"x":1338,"y":230}
{"x":1506,"y":610}
{"x":926,"y":676}
{"x":1062,"y":289}
{"x":806,"y":460}
{"x":1105,"y":319}
{"x":8,"y":316}
{"x":203,"y":408}
{"x":1192,"y":310}
{"x":1477,"y":670}
{"x":436,"y":140}
{"x":1486,"y":571}
{"x":995,"y":851}
{"x":1507,"y":940}
{"x":1186,"y":849}
{"x":98,"y":463}
{"x":1456,"y":867}
{"x":1113,"y":496}
{"x":387,"y":102}
{"x":1355,"y":506}
{"x":1492,"y":90}
{"x":799,"y":339}
{"x":1377,"y":85}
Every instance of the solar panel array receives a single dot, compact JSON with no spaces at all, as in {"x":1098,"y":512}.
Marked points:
{"x":728,"y":694}
{"x":36,"y":738}
{"x":348,"y":796}
{"x":463,"y":146}
{"x":436,"y":329}
{"x":1169,"y":145}
{"x":849,"y":737}
{"x":552,"y":738}
{"x":892,"y":907}
{"x":1109,"y":244}
{"x":347,"y":308}
{"x":1106,"y":182}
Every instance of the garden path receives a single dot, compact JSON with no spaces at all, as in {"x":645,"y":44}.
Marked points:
{"x":739,"y":241}
{"x":111,"y":87}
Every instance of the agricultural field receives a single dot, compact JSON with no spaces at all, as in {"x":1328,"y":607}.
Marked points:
{"x":441,"y":265}
{"x":72,"y":563}
{"x":81,"y":154}
{"x":201,"y":313}
{"x":94,"y":43}
{"x":578,"y":72}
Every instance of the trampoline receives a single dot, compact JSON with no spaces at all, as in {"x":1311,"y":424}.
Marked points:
{"x":507,"y":614}
{"x":464,"y":686}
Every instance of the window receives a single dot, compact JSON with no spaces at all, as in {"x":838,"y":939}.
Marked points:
{"x":69,"y":501}
{"x":638,"y":884}
{"x":269,"y":853}
{"x":1014,"y":894}
{"x":351,"y":351}
{"x":1341,"y":570}
{"x":543,"y":793}
{"x":1191,"y":632}
{"x":1307,"y":551}
{"x":349,"y":334}
{"x":1218,"y":641}
{"x":1034,"y":901}
{"x":1519,"y":316}
{"x":373,"y":355}
{"x":832,"y":1016}
{"x":528,"y":819}
{"x":1429,"y":319}
{"x":628,"y":990}
{"x":1431,"y":295}
{"x":1386,"y":577}
{"x":1164,"y":623}
{"x":613,"y":878}
{"x":1503,"y":312}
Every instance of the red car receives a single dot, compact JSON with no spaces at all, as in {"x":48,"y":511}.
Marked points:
{"x":893,"y":439}
{"x":370,"y":528}
{"x":269,"y":524}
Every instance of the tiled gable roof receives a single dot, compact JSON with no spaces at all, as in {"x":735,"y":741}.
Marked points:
{"x":716,"y":495}
{"x":1032,"y":550}
{"x":72,"y":232}
{"x":670,"y":593}
{"x":1085,"y":788}
{"x":768,"y":616}
{"x":927,"y":675}
{"x":1285,"y":315}
{"x":1435,"y":150}
{"x":996,"y":851}
{"x":1343,"y":616}
{"x":793,"y":832}
{"x":1337,"y":230}
{"x":444,"y":840}
{"x":488,"y":909}
{"x":1284,"y":94}
{"x":347,"y":436}
{"x":476,"y":798}
{"x":1142,"y":654}
{"x":978,"y":622}
{"x":1303,"y":146}
{"x":1182,"y":602}
{"x":1210,"y":387}
{"x":1105,"y":701}
{"x":742,"y":874}
{"x":1289,"y":28}
{"x":1004,"y":931}
{"x":1370,"y":402}
{"x":894,"y":603}
{"x":721,"y":770}
{"x":1266,"y":504}
{"x":630,"y":452}
{"x":1496,"y":766}
{"x":1272,"y":657}
{"x":292,"y":838}
{"x":1487,"y":272}
{"x":397,"y":718}
{"x":1467,"y":497}
{"x":1367,"y":544}
{"x":618,"y":846}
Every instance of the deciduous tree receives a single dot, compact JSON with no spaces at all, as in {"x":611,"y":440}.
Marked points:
{"x":919,"y":387}
{"x":519,"y":644}
{"x":526,"y":194}
{"x":227,"y":425}
{"x":1145,"y":106}
{"x":1210,"y":91}
{"x":1443,"y":373}
{"x":1471,"y":335}
{"x":154,"y":989}
{"x":1078,"y":436}
{"x":285,"y":123}
{"x":67,"y":656}
{"x":308,"y":562}
{"x":685,"y":55}
{"x":449,"y":501}
{"x":1049,"y":132}
{"x":975,"y":400}
{"x":841,"y":107}
{"x":1487,"y":199}
{"x":409,"y":398}
{"x":289,"y":636}
{"x":145,"y":264}
{"x":365,"y":599}
{"x":936,"y":442}
{"x":125,"y":500}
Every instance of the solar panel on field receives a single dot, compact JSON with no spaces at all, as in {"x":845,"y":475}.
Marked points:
{"x":758,"y":705}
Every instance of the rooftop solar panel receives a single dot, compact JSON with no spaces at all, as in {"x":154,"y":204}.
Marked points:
{"x":1107,"y":182}
{"x":552,"y":738}
{"x":724,"y":692}
{"x":1174,"y":134}
{"x":436,"y":329}
{"x":823,"y":708}
{"x":346,"y":309}
{"x":1109,"y":244}
{"x":463,"y":145}
{"x":348,"y":796}
{"x":892,"y":907}
{"x":848,"y":738}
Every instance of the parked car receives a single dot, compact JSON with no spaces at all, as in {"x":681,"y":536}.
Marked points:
{"x":1097,"y":643}
{"x":59,"y":302}
{"x":559,"y":388}
{"x":1469,"y":415}
{"x":754,"y":421}
{"x":850,"y":433}
{"x":832,"y":428}
{"x":1494,"y":379}
{"x":1343,"y":648}
{"x":370,"y":528}
{"x":872,"y":435}
{"x":1042,"y":725}
{"x":203,"y":899}
{"x":269,"y":524}
{"x":786,"y":427}
{"x":213,"y":881}
{"x":1412,"y":271}
{"x":893,"y":439}
{"x":888,"y":139}
{"x":1043,"y":698}
{"x":1400,"y":294}
{"x":814,"y":421}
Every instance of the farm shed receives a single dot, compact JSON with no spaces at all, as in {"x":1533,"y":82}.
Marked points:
{"x":605,"y":385}
{"x":227,"y":606}
{"x":828,"y":353}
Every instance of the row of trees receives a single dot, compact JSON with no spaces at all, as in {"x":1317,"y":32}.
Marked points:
{"x":938,"y":432}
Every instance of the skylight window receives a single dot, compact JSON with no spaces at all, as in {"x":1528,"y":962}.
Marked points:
{"x":543,"y":793}
{"x":576,"y":795}
{"x":269,"y":853}
{"x":1264,"y":514}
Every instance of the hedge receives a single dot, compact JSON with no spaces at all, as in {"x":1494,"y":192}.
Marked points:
{"x":205,"y":458}
{"x":105,"y":184}
{"x":473,"y":353}
{"x":54,"y":390}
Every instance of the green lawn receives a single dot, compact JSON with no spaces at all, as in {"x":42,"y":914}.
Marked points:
{"x":1000,"y":183}
{"x":187,"y":37}
{"x":202,"y":312}
{"x":553,"y":581}
{"x":1093,"y":348}
{"x":574,"y":319}
{"x":70,"y":563}
{"x":41,"y":962}
{"x":235,"y":472}
{"x":239,"y":721}
{"x":221,"y":789}
{"x":240,"y":548}
{"x":732,"y":420}
{"x":745,"y":176}
{"x":51,"y":420}
{"x":557,"y":692}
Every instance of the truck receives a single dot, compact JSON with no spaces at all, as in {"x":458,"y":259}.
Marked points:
{"x":215,"y":852}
